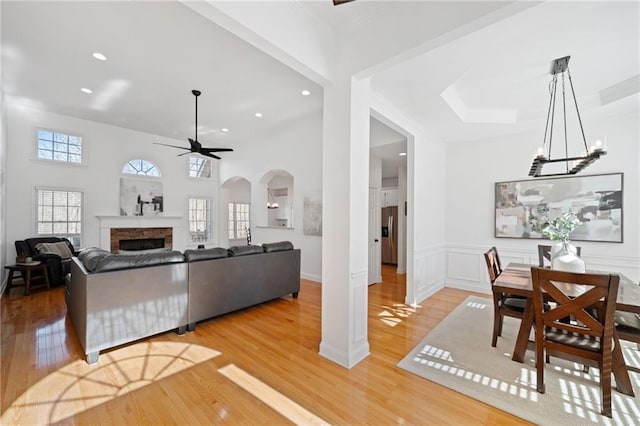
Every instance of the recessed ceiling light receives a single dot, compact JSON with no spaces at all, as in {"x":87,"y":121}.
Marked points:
{"x":258,"y":114}
{"x":99,"y":56}
{"x":224,"y":129}
{"x":305,"y":93}
{"x":85,"y":90}
{"x":402,"y":154}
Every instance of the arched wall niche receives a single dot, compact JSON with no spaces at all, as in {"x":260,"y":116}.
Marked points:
{"x":234,"y":191}
{"x":277,"y":205}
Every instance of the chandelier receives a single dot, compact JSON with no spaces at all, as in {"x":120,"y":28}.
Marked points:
{"x":573,"y":164}
{"x":271,"y":200}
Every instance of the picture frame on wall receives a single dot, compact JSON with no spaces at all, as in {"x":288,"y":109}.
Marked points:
{"x":523,"y":207}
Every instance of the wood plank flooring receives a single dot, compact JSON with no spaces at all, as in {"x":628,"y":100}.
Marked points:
{"x":256,"y":366}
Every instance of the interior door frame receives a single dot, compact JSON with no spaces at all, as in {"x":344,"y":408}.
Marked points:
{"x":375,"y":213}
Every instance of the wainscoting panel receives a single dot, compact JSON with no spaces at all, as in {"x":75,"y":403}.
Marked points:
{"x":466,"y":268}
{"x":429,"y":273}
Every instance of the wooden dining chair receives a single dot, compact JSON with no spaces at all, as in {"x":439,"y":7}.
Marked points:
{"x":627,"y":325}
{"x":504,"y":304}
{"x":544,"y":253}
{"x":590,"y":338}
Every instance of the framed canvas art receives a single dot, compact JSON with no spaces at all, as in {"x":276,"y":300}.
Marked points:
{"x":522,"y":208}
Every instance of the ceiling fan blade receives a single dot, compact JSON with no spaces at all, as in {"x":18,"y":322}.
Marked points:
{"x":185,"y":153}
{"x":173,"y":146}
{"x":216,"y":149}
{"x":339,"y":2}
{"x":207,"y":154}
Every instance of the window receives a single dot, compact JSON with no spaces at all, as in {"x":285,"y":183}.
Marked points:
{"x":199,"y":167}
{"x":59,"y":147}
{"x":200,"y":219}
{"x":238,"y":220}
{"x":141,"y":167}
{"x":60,"y":214}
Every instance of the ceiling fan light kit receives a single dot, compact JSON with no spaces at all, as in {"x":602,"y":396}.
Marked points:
{"x":543,"y":156}
{"x":196,"y":147}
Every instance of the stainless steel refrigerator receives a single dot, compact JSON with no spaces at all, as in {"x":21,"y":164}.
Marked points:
{"x":390,"y":235}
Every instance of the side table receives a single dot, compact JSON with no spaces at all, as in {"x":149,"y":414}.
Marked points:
{"x":26,"y":274}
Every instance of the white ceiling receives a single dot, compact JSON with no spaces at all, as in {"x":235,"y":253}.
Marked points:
{"x":147,"y":80}
{"x":502,"y":71}
{"x":159,"y":51}
{"x":387,"y":144}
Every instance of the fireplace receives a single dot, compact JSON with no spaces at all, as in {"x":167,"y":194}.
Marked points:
{"x":140,"y":238}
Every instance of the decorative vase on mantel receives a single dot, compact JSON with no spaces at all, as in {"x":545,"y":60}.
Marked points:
{"x":564,"y":257}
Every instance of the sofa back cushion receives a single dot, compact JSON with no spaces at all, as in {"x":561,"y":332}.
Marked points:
{"x":91,"y":256}
{"x":279,"y":246}
{"x":27,"y":247}
{"x":60,"y":248}
{"x":244,"y":250}
{"x":205,"y":254}
{"x":129,"y":261}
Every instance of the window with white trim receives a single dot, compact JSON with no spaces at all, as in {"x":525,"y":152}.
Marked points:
{"x":57,"y":146}
{"x":200,"y":219}
{"x":239,"y":220}
{"x":200,"y":167}
{"x":141,"y":167}
{"x":59,"y":214}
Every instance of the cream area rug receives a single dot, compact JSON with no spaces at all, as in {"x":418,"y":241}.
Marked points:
{"x":458,"y":354}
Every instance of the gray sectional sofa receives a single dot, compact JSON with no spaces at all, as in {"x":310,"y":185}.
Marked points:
{"x":114,"y":299}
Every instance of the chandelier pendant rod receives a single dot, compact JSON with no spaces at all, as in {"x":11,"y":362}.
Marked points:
{"x":553,"y":112}
{"x":584,"y":139}
{"x":546,"y":126}
{"x":564,"y":115}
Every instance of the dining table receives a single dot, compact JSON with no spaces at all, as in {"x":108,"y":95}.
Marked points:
{"x":516,"y":279}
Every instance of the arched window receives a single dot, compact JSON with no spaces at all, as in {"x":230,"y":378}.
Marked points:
{"x":141,"y":167}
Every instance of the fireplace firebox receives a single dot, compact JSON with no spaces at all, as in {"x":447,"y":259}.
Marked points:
{"x":140,"y":238}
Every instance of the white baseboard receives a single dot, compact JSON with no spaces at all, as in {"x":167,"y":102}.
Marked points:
{"x":311,"y":277}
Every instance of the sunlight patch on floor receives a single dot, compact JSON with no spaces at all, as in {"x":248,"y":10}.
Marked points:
{"x":274,"y":399}
{"x":78,"y":386}
{"x":392,"y":315}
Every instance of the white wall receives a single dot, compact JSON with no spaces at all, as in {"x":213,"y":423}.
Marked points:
{"x":107,"y":149}
{"x":3,"y":192}
{"x":472,"y":170}
{"x":297,"y":148}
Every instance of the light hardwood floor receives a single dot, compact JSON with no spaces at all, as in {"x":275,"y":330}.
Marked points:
{"x":256,"y":366}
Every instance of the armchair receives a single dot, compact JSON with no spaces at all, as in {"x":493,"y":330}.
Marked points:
{"x":57,"y":266}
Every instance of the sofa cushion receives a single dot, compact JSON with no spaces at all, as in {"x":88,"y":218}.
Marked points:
{"x":244,"y":250}
{"x":34,"y":241}
{"x":130,"y":261}
{"x":60,"y":248}
{"x":205,"y":254}
{"x":279,"y":246}
{"x":91,"y":256}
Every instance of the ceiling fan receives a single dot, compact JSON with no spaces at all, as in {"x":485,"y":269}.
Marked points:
{"x":196,"y":146}
{"x":339,"y":2}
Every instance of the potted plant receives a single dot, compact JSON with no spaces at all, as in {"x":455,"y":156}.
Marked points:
{"x":564,"y":254}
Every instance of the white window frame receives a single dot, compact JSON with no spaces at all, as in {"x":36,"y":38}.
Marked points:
{"x":75,"y":238}
{"x":37,"y":149}
{"x":144,"y":173}
{"x":192,"y":219}
{"x":233,"y":231}
{"x":205,"y":161}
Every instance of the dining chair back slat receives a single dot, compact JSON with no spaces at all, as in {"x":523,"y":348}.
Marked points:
{"x":590,"y":300}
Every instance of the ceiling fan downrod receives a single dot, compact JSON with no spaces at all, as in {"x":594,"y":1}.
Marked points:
{"x":196,"y":93}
